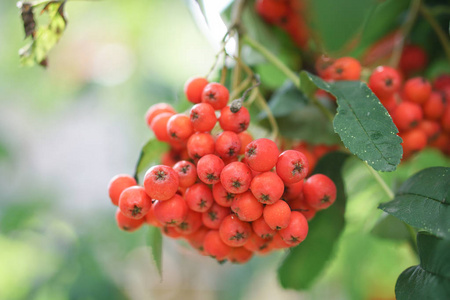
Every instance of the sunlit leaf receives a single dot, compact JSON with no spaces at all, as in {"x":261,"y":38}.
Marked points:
{"x":150,"y":154}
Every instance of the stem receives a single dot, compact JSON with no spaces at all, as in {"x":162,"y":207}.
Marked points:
{"x":272,"y":59}
{"x":273,"y":123}
{"x":405,"y":29}
{"x":443,"y":38}
{"x":380,"y":181}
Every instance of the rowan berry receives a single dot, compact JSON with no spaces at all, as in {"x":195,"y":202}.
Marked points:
{"x":271,"y":10}
{"x":407,"y":115}
{"x":277,"y":215}
{"x":319,"y":191}
{"x":171,"y":232}
{"x":228,"y":145}
{"x":292,"y":166}
{"x":215,"y":94}
{"x":279,"y":243}
{"x":234,"y":121}
{"x":161,"y":182}
{"x":222,"y":196}
{"x":127,"y":224}
{"x":292,"y":191}
{"x":157,"y":109}
{"x":236,"y":177}
{"x":445,"y":120}
{"x":442,"y":142}
{"x":345,"y":68}
{"x":214,"y":216}
{"x":159,"y":126}
{"x":193,"y":89}
{"x":299,"y":204}
{"x":414,"y":140}
{"x":191,"y":223}
{"x":134,"y":202}
{"x":322,"y":66}
{"x":433,"y":108}
{"x":197,"y":238}
{"x":234,"y":232}
{"x":209,"y":168}
{"x":171,"y":212}
{"x":187,"y":173}
{"x":267,"y":187}
{"x":256,"y":243}
{"x":246,"y":138}
{"x":179,"y":127}
{"x":200,"y":144}
{"x":199,"y":197}
{"x":417,"y":90}
{"x":246,"y":207}
{"x":296,"y":231}
{"x":150,"y":217}
{"x":117,"y":184}
{"x":239,"y":255}
{"x":203,"y":117}
{"x":261,"y":155}
{"x":261,"y":228}
{"x":413,"y":59}
{"x":384,"y":81}
{"x":430,"y":128}
{"x":214,"y":245}
{"x":442,"y":82}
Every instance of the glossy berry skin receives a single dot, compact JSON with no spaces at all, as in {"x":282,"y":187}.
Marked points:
{"x":209,"y":168}
{"x":159,"y":126}
{"x":191,"y":223}
{"x":228,"y":145}
{"x":179,"y":127}
{"x":117,"y":184}
{"x":128,"y":224}
{"x":433,"y":108}
{"x":200,"y":144}
{"x":417,"y":90}
{"x":236,"y":177}
{"x":277,"y":215}
{"x":261,"y":155}
{"x":171,"y":212}
{"x":203,"y":117}
{"x":267,"y":187}
{"x":215,"y":94}
{"x":157,"y":109}
{"x":214,"y":216}
{"x":187,"y":173}
{"x":215,"y":247}
{"x":161,"y":182}
{"x":246,"y":138}
{"x":134,"y":202}
{"x":240,"y":255}
{"x":246,"y":207}
{"x":193,"y":89}
{"x":234,"y":232}
{"x":236,"y":122}
{"x":263,"y":230}
{"x":319,"y":191}
{"x":292,"y":166}
{"x":296,"y":231}
{"x":407,"y":115}
{"x":345,"y":68}
{"x":384,"y":81}
{"x":222,"y":196}
{"x":199,"y":197}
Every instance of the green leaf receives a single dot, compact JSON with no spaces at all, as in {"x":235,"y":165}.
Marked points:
{"x":389,"y":227}
{"x":150,"y":154}
{"x":154,"y":241}
{"x":363,"y":124}
{"x":430,"y":279}
{"x":305,"y":262}
{"x":423,"y":201}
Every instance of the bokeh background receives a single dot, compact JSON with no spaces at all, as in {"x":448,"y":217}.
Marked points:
{"x":65,"y":131}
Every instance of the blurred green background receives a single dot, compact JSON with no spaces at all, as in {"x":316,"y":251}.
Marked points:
{"x":65,"y":131}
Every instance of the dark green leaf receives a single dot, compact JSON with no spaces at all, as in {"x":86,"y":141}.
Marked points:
{"x":150,"y":154}
{"x":305,"y":262}
{"x":423,"y":201}
{"x":363,"y":123}
{"x":154,"y":241}
{"x":430,"y":279}
{"x":389,"y":227}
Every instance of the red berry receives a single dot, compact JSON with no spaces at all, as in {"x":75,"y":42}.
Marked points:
{"x":292,"y":166}
{"x":445,"y":120}
{"x":407,"y":115}
{"x":222,"y":196}
{"x":296,"y":231}
{"x":150,"y":217}
{"x":430,"y":128}
{"x":236,"y":122}
{"x":413,"y":59}
{"x":279,"y":243}
{"x":214,"y":245}
{"x":417,"y":90}
{"x":200,"y":144}
{"x":433,"y":108}
{"x":271,"y":10}
{"x":187,"y":173}
{"x":161,"y":182}
{"x":267,"y":187}
{"x":128,"y":224}
{"x":157,"y":109}
{"x":263,"y":230}
{"x":256,"y":243}
{"x":234,"y":232}
{"x":215,"y":94}
{"x":319,"y":191}
{"x":346,"y":68}
{"x":246,"y":207}
{"x":193,"y":89}
{"x":277,"y":215}
{"x":134,"y":202}
{"x":239,"y":255}
{"x":413,"y":141}
{"x":299,"y":204}
{"x":384,"y":81}
{"x":261,"y":155}
{"x":171,"y":212}
{"x":159,"y":126}
{"x":246,"y":138}
{"x":203,"y":117}
{"x":236,"y":177}
{"x":293,"y":191}
{"x":214,"y":216}
{"x":209,"y":168}
{"x":199,"y":197}
{"x":197,"y":238}
{"x":442,"y":82}
{"x":228,"y":145}
{"x":171,"y":232}
{"x":117,"y":184}
{"x":191,"y":223}
{"x":179,"y":127}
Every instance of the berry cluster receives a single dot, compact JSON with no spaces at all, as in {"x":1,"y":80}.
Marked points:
{"x":419,"y":109}
{"x":287,"y":14}
{"x":227,"y":194}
